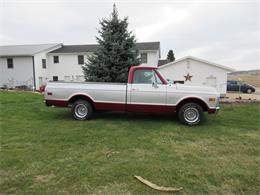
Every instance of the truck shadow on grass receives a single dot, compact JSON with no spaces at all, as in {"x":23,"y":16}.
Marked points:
{"x":123,"y":116}
{"x":145,"y":117}
{"x":116,"y":116}
{"x":134,"y":116}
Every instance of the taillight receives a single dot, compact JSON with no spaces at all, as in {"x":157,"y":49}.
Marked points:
{"x":49,"y":93}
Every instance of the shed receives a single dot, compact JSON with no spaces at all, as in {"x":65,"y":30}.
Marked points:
{"x":194,"y":71}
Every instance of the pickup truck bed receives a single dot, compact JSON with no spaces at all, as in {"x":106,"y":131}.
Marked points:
{"x":99,"y":92}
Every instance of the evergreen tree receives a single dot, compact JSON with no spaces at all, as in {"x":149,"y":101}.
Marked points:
{"x":116,"y":52}
{"x":170,"y":56}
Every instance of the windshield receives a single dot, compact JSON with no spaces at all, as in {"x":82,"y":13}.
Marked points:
{"x":162,"y":76}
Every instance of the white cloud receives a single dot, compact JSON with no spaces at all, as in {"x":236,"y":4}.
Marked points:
{"x":167,"y":18}
{"x":40,"y":14}
{"x":223,"y":32}
{"x":4,"y":40}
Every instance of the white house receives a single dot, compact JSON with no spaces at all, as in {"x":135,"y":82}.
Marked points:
{"x":194,"y":71}
{"x":70,"y":58}
{"x":24,"y":64}
{"x":34,"y":65}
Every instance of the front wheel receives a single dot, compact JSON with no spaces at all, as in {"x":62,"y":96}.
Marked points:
{"x":190,"y":114}
{"x":82,"y":110}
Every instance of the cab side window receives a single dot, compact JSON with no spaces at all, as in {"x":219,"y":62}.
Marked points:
{"x":144,"y":77}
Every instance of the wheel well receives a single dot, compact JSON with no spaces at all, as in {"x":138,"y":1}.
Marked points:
{"x":193,"y":100}
{"x":81,"y":97}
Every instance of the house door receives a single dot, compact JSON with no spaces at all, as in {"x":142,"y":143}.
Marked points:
{"x":40,"y":81}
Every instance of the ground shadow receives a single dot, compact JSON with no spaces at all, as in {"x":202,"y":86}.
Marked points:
{"x":135,"y":116}
{"x":117,"y":116}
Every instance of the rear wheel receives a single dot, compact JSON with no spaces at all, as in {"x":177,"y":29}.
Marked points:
{"x":190,"y":114}
{"x":82,"y":110}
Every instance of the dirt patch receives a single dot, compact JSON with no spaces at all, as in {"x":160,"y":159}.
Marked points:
{"x":44,"y":178}
{"x":242,"y":96}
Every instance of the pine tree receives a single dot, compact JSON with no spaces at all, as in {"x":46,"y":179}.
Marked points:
{"x":116,"y":53}
{"x":170,"y":56}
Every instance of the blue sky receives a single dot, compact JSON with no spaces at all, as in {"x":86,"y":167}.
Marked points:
{"x":225,"y":32}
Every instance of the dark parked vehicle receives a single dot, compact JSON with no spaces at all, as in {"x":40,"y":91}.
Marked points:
{"x":239,"y":86}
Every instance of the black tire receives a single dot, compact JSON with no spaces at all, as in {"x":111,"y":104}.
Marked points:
{"x":249,"y":91}
{"x":191,"y":114}
{"x":82,"y":110}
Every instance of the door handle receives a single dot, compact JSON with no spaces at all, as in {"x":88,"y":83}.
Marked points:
{"x":135,"y":89}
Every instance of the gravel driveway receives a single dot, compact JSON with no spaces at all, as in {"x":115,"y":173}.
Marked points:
{"x":253,"y":96}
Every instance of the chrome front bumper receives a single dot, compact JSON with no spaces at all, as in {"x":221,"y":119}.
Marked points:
{"x":214,"y":110}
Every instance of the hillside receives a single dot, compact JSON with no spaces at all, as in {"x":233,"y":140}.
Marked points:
{"x":251,"y":77}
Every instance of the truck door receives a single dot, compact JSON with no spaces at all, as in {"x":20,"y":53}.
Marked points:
{"x":147,"y":92}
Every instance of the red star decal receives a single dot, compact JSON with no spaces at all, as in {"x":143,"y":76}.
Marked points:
{"x":188,"y":77}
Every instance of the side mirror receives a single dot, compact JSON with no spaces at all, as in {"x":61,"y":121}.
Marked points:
{"x":154,"y":84}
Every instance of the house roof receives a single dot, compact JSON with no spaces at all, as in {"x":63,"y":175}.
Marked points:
{"x":148,"y":46}
{"x":25,"y":50}
{"x":197,"y":59}
{"x":76,"y":48}
{"x":162,"y":62}
{"x":93,"y":47}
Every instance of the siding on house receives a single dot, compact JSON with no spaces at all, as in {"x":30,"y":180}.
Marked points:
{"x":20,"y":74}
{"x":41,"y":74}
{"x":68,"y":68}
{"x":27,"y":64}
{"x":207,"y":74}
{"x":152,"y":57}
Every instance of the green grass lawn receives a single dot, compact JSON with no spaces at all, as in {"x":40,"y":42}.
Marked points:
{"x":44,"y":150}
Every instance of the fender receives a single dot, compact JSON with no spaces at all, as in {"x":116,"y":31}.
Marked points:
{"x":191,"y":97}
{"x":80,"y":94}
{"x":84,"y":96}
{"x":194,"y":98}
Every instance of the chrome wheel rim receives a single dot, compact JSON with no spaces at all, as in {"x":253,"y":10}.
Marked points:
{"x":191,"y":115}
{"x":249,"y":91}
{"x":81,"y":110}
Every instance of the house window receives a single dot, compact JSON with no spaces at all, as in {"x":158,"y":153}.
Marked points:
{"x":55,"y":59}
{"x":80,"y":59}
{"x":44,"y":63}
{"x":10,"y":63}
{"x":143,"y":57}
{"x":55,"y":78}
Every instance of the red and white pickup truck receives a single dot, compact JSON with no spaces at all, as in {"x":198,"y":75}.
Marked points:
{"x":146,"y":91}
